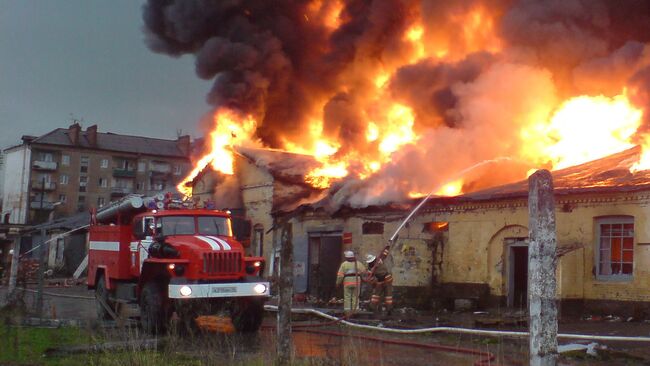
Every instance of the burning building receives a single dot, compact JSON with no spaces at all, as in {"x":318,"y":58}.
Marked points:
{"x":390,"y":100}
{"x":474,"y":247}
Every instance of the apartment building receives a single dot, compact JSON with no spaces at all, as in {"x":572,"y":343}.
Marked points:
{"x":69,"y":170}
{"x":2,"y":176}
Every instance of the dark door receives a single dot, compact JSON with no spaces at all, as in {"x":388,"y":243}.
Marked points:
{"x":520,"y":276}
{"x":324,"y":261}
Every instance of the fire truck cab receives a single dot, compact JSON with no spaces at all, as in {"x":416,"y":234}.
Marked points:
{"x":173,"y":259}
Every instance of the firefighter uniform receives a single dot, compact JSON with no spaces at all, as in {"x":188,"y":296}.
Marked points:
{"x":382,"y":284}
{"x":349,"y":274}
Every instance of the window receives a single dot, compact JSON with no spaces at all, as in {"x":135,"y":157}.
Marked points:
{"x":158,"y":185}
{"x":142,"y":166}
{"x":83,"y":166}
{"x":177,"y":225}
{"x":435,"y":227}
{"x":104,"y":163}
{"x":65,"y":159}
{"x":615,"y":243}
{"x":62,"y":198}
{"x":139,"y":186}
{"x":83,"y":182}
{"x":371,"y":227}
{"x":214,"y":225}
{"x":103,"y":182}
{"x":177,"y":170}
{"x":101,"y":201}
{"x":64,"y":179}
{"x":81,"y":202}
{"x":46,"y":178}
{"x":46,"y":157}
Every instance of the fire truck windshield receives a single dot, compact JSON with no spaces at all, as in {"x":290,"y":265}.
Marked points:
{"x":185,"y":225}
{"x":214,"y":225}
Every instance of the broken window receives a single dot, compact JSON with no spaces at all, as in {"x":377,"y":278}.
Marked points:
{"x":615,"y":243}
{"x":435,"y":227}
{"x":372,"y":227}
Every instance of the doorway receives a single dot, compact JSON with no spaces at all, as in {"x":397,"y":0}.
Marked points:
{"x":518,"y":272}
{"x":325,"y":250}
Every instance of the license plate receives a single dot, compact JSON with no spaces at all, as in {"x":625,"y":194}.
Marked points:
{"x":224,"y":290}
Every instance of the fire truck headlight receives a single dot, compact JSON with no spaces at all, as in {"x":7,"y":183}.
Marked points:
{"x":259,"y":288}
{"x":179,"y":270}
{"x":252,"y":267}
{"x":185,"y":291}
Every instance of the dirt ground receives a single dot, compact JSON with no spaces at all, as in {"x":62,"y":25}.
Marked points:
{"x":336,"y":344}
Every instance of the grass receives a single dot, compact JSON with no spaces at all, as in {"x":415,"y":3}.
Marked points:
{"x":21,"y":345}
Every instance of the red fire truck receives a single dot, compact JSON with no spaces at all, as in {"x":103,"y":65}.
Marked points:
{"x":168,"y":258}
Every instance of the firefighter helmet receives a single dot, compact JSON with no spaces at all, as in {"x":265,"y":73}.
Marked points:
{"x":370,"y":258}
{"x":348,"y":254}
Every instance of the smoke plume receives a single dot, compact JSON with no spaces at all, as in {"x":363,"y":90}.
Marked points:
{"x":474,"y":73}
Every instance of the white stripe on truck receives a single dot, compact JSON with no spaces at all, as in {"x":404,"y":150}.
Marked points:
{"x":112,"y":246}
{"x":213,"y":244}
{"x":223,"y":243}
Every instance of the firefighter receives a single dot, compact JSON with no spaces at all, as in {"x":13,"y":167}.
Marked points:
{"x":349,"y":275}
{"x":382,"y":284}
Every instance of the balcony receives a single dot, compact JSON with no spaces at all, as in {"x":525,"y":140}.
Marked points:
{"x":44,"y":186}
{"x":36,"y":204}
{"x":160,"y":168}
{"x":120,"y":191}
{"x":123,"y":173}
{"x":159,"y":175}
{"x":44,"y":165}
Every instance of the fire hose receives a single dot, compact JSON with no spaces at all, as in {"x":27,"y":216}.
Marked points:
{"x":493,"y":333}
{"x":485,"y":358}
{"x":384,"y":252}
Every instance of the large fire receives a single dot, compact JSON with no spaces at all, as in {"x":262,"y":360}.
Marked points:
{"x":372,"y":120}
{"x":231,"y":129}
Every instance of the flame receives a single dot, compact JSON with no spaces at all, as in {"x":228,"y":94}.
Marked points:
{"x":644,"y":159}
{"x":231,"y":129}
{"x":550,"y":133}
{"x":586,"y":128}
{"x":451,"y":189}
{"x":326,"y":12}
{"x":399,"y":129}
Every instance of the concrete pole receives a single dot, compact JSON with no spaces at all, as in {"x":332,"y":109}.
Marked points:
{"x":285,"y":282}
{"x":15,"y":262}
{"x":41,"y":275}
{"x":541,"y":270}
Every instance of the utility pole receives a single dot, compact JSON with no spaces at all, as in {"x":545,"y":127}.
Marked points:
{"x":542,"y":263}
{"x":285,"y":282}
{"x":15,"y":262}
{"x":41,"y":275}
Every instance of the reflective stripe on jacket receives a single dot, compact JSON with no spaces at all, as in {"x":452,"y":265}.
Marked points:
{"x":349,"y":273}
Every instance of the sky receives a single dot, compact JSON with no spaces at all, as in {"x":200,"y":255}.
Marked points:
{"x":87,"y":60}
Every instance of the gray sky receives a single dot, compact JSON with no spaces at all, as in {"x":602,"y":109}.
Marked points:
{"x":88,"y":58}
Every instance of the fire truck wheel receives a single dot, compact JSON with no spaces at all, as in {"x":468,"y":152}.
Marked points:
{"x":101,"y":292}
{"x":153,"y":313}
{"x":247,"y":315}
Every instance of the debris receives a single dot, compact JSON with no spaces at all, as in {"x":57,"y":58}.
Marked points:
{"x":590,"y":348}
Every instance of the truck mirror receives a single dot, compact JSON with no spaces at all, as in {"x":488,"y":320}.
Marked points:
{"x":241,"y":229}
